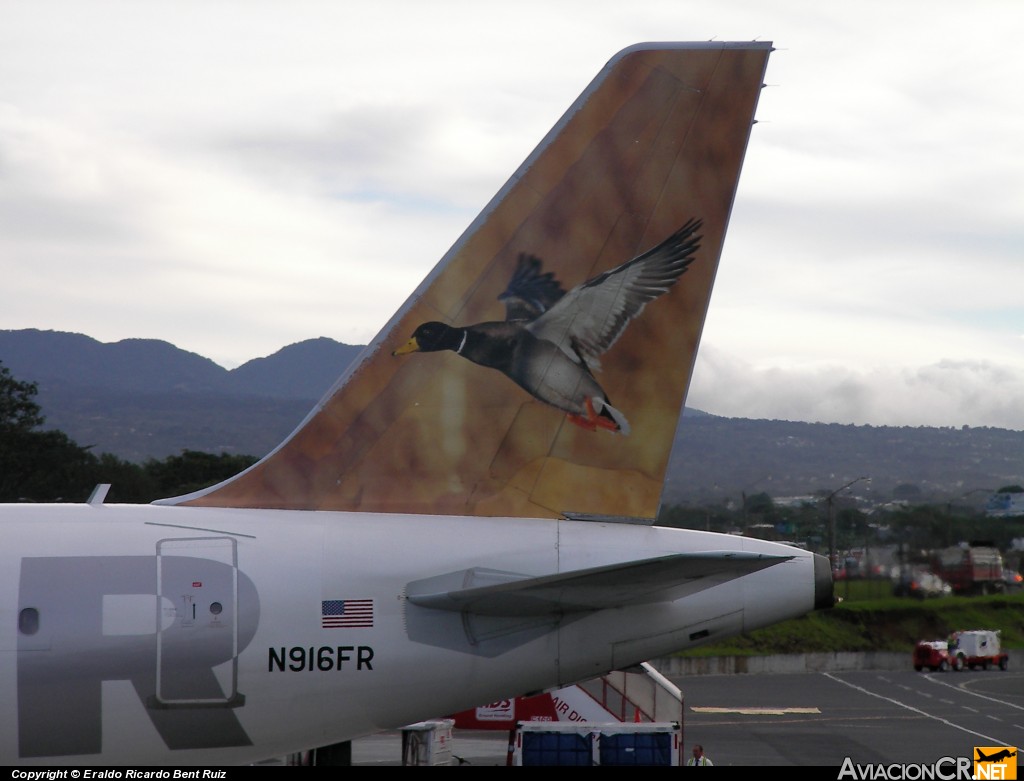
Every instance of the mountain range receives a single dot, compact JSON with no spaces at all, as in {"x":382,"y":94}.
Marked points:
{"x":145,"y":398}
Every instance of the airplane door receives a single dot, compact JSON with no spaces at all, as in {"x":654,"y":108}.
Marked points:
{"x":197,"y":627}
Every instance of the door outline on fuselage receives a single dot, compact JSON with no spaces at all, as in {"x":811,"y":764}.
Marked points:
{"x":209,"y":621}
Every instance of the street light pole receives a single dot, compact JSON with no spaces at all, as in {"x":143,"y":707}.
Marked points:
{"x":832,"y":521}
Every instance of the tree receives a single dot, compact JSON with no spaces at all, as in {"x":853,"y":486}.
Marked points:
{"x":37,"y":466}
{"x":193,"y":470}
{"x":48,"y":466}
{"x":18,"y":409}
{"x":129,"y":482}
{"x":759,"y":504}
{"x":44,"y":466}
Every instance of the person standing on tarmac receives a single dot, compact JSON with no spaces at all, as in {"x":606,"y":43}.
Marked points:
{"x":698,"y":759}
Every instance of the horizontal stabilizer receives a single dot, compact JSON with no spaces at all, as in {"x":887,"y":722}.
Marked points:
{"x":661,"y":579}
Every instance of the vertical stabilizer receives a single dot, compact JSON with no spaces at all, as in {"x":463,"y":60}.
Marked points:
{"x":542,"y":366}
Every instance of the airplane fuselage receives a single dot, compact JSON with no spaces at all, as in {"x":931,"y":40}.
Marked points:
{"x":177,"y":635}
{"x":201,"y":630}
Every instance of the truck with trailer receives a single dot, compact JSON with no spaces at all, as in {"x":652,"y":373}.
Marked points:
{"x":975,"y":569}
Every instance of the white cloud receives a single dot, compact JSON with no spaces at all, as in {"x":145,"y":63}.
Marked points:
{"x":946,"y":393}
{"x":233,"y":177}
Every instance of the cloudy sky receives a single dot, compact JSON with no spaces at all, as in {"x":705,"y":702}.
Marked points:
{"x":233,"y":177}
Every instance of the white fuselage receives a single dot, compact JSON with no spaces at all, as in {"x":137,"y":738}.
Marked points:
{"x":179,"y":635}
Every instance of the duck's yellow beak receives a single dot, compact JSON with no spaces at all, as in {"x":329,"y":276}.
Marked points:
{"x":412,"y":346}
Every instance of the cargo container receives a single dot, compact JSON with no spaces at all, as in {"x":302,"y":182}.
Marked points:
{"x":649,"y":744}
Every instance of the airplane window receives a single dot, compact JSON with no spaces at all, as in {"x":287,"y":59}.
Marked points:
{"x":28,"y":621}
{"x":216,"y":608}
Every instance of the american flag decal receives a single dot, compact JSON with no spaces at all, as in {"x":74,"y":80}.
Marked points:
{"x":346,"y":613}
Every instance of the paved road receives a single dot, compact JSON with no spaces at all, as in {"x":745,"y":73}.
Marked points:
{"x":872,"y":717}
{"x":813,"y":719}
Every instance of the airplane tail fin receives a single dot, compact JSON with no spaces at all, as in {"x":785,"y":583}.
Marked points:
{"x":541,"y":367}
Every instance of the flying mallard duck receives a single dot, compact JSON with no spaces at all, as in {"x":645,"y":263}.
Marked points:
{"x":550,"y":342}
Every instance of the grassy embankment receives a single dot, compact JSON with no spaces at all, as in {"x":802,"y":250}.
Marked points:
{"x":864,"y":621}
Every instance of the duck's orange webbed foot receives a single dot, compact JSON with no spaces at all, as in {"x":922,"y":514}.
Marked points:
{"x":592,"y":421}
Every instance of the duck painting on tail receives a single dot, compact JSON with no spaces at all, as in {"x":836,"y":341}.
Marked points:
{"x":552,"y":289}
{"x":551,"y":341}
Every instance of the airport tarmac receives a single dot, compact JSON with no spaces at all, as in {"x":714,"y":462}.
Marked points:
{"x":810,"y":719}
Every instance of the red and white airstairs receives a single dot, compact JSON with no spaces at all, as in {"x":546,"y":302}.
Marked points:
{"x":641,"y":694}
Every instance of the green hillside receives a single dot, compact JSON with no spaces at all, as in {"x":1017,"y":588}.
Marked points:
{"x":885,"y":624}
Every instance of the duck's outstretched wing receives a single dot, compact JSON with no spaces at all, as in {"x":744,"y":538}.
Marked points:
{"x":530,"y":293}
{"x":589,"y":319}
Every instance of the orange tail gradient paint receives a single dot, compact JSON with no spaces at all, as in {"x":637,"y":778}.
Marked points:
{"x":541,"y":367}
